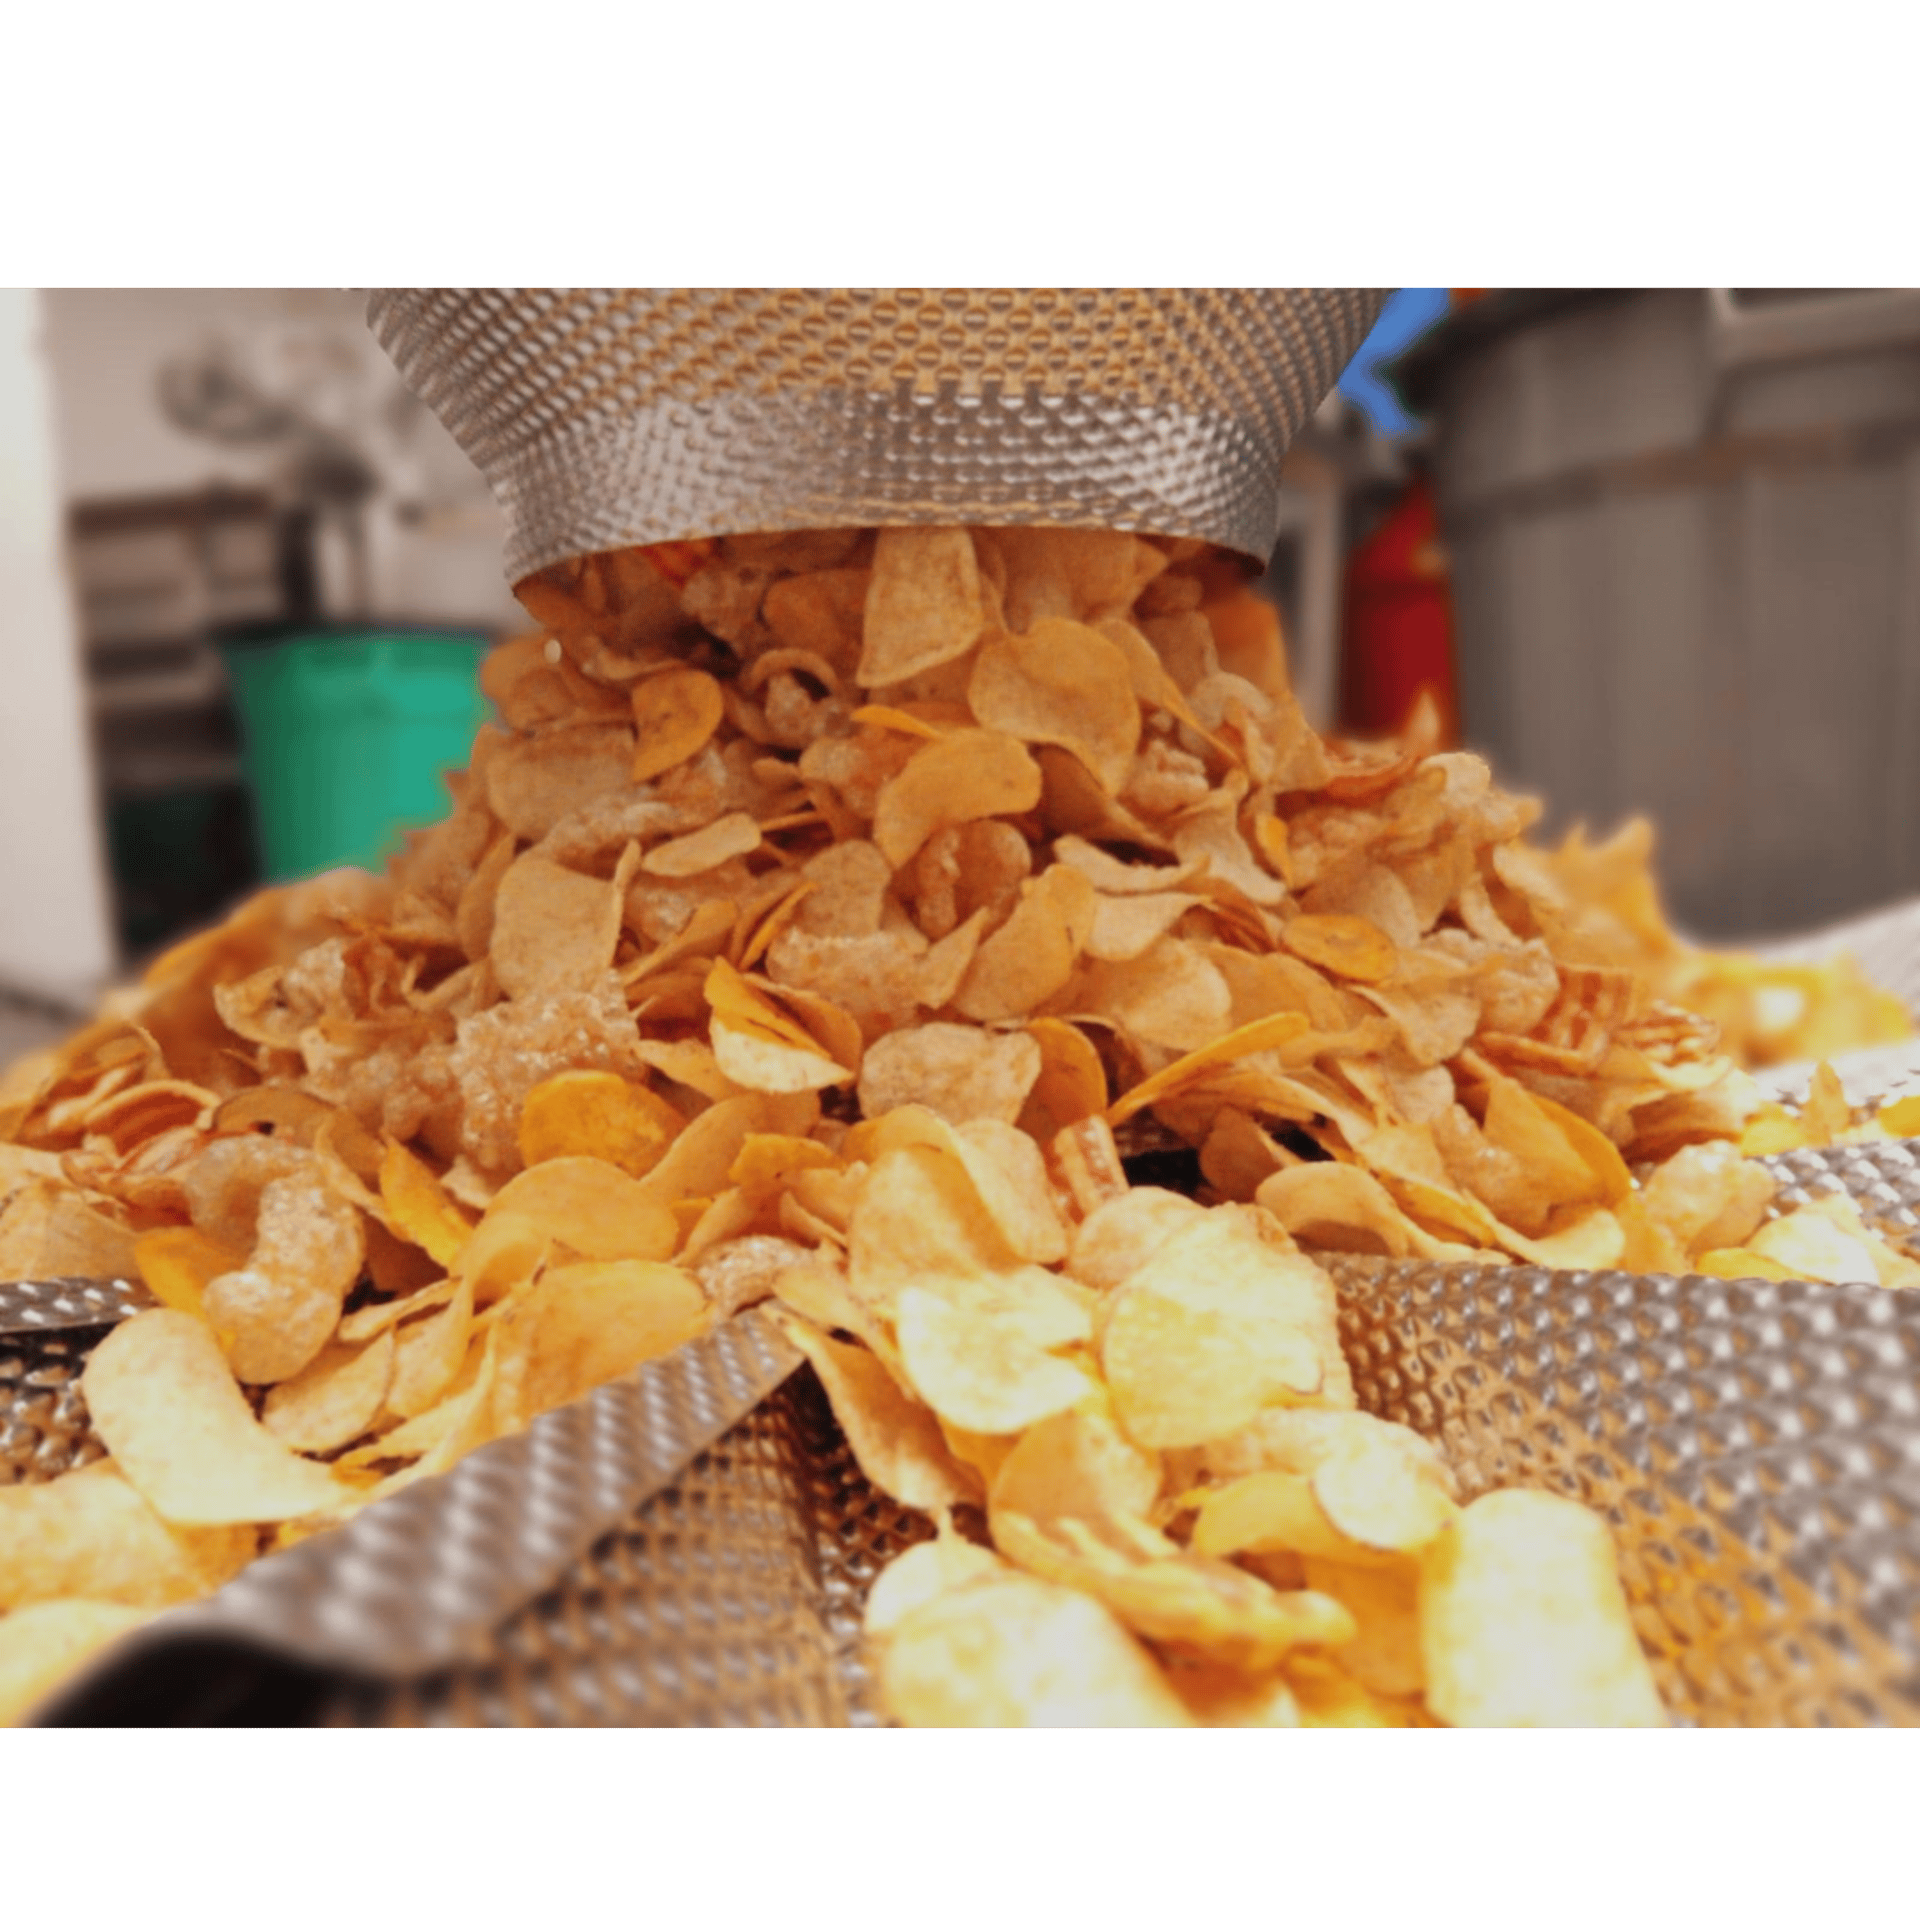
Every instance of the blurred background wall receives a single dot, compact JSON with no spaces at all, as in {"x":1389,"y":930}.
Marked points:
{"x":1650,"y":551}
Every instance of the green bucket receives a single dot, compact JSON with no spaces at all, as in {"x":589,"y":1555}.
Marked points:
{"x":346,"y":739}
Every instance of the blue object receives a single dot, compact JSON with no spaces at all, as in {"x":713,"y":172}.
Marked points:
{"x":1408,"y":314}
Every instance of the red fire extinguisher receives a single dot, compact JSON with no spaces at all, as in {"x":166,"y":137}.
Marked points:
{"x":1397,"y":630}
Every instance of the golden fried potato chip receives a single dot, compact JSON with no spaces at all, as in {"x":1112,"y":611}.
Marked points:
{"x":535,"y":781}
{"x":1030,"y":959}
{"x":90,"y":1536}
{"x":595,"y":1115}
{"x":1346,"y":1210}
{"x":960,"y":1072}
{"x":1172,"y":1596}
{"x":1256,"y":1036}
{"x":896,"y":1440}
{"x":594,"y":1208}
{"x":924,"y":606}
{"x":980,"y":1369}
{"x":428,"y":1351}
{"x":1172,"y":996}
{"x":1342,"y":944}
{"x":1060,"y":684}
{"x":971,"y":774}
{"x":923,"y":1573}
{"x":1118,"y":1237}
{"x":1010,"y":1651}
{"x":675,"y":714}
{"x":1077,"y":1465}
{"x":334,"y":1399}
{"x":177,"y":1263}
{"x":1212,"y":1327}
{"x":1523,"y":1622}
{"x":919,"y":1214}
{"x":595,"y":1322}
{"x":418,"y":1207}
{"x":1384,"y":1654}
{"x":169,"y":1412}
{"x":707,"y":848}
{"x":554,"y":931}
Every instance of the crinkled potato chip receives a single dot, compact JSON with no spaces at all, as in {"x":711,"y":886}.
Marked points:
{"x":1011,"y":1651}
{"x":978,"y":1369}
{"x":589,"y":1113}
{"x":675,"y":714}
{"x":173,"y":1419}
{"x":594,"y":1208}
{"x":90,"y":1536}
{"x":1523,"y":1622}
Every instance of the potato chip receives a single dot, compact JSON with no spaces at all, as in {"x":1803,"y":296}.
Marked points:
{"x":167,"y":1408}
{"x":1256,"y":1036}
{"x":43,"y":1645}
{"x":427,"y":1353}
{"x":1523,"y":1622}
{"x":1172,"y":996}
{"x":1077,"y":1465}
{"x":675,"y":714}
{"x":923,"y":1573}
{"x":176,"y":1263}
{"x":1171,"y":1596}
{"x":553,"y":930}
{"x":88,"y":1535}
{"x":1010,"y":1651}
{"x":535,"y":781}
{"x":896,"y":1440}
{"x":418,"y":1208}
{"x":1342,"y":944}
{"x":1346,"y":1210}
{"x":1212,"y":1327}
{"x":594,"y":1208}
{"x":1060,"y":684}
{"x":1118,"y":1237}
{"x":334,"y":1399}
{"x":1030,"y":960}
{"x":45,"y":1229}
{"x":978,"y":1370}
{"x":959,"y":1072}
{"x":709,"y":847}
{"x":924,"y":605}
{"x":588,"y":1114}
{"x":969,"y":775}
{"x":595,"y":1322}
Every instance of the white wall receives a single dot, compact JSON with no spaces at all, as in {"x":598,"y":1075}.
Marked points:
{"x":54,"y":934}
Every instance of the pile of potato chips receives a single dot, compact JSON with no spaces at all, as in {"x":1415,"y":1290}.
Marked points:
{"x":827,"y":913}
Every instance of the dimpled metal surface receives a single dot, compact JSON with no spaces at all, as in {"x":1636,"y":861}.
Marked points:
{"x":619,"y":416}
{"x":1755,"y":1449}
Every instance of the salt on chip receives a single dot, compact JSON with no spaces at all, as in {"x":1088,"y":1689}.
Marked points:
{"x":171,"y":1415}
{"x":594,"y":1208}
{"x":1523,"y":1622}
{"x":1060,"y":684}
